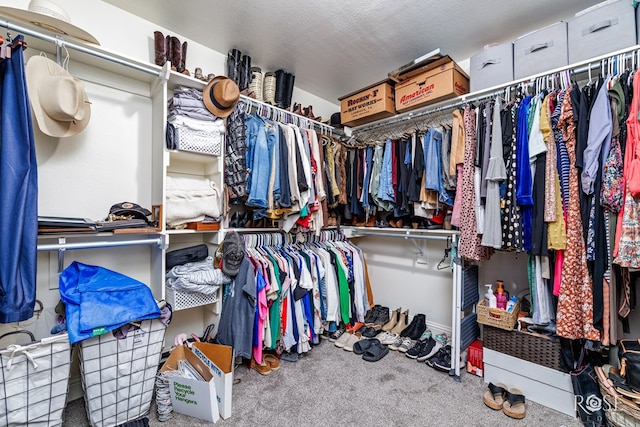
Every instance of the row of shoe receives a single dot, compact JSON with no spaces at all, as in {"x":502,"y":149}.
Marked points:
{"x":245,"y":220}
{"x":170,"y":49}
{"x":440,"y":220}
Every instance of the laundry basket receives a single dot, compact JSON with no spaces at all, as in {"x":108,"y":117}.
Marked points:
{"x":34,"y":381}
{"x":118,"y":375}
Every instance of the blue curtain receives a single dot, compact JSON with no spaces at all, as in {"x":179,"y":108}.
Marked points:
{"x":18,"y":194}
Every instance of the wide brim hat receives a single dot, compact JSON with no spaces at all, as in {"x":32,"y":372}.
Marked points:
{"x":220,"y":96}
{"x":58,"y":100}
{"x":48,"y":15}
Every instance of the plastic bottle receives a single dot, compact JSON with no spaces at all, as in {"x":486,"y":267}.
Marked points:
{"x":489,"y":297}
{"x":512,"y":303}
{"x":501,"y":297}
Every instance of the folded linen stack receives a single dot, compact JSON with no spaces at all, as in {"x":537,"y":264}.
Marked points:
{"x":190,"y":199}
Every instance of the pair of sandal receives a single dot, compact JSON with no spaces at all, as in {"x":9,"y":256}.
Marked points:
{"x":510,"y":401}
{"x":371,"y":349}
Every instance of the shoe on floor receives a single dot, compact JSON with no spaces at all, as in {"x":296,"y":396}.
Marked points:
{"x":513,"y":405}
{"x":388,"y":339}
{"x":272,"y":361}
{"x":439,"y":342}
{"x":494,"y":396}
{"x":375,"y":352}
{"x":289,"y":357}
{"x":353,"y":338}
{"x":395,"y":345}
{"x":344,"y":338}
{"x":419,"y":345}
{"x":262,"y":368}
{"x":442,"y":360}
{"x":336,"y":334}
{"x":407,"y":343}
{"x":393,"y":320}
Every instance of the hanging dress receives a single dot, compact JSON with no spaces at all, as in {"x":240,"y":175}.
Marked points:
{"x":575,"y":302}
{"x":511,"y":217}
{"x":470,"y":241}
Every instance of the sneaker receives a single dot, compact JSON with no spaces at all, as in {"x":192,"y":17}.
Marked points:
{"x":442,"y":360}
{"x":427,"y":350}
{"x":344,"y":338}
{"x":395,"y":345}
{"x":336,"y":334}
{"x":439,"y":342}
{"x":387,"y":338}
{"x":418,"y":345}
{"x":407,"y":343}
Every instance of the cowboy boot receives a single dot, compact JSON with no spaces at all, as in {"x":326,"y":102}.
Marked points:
{"x":244,"y":72}
{"x":281,"y":88}
{"x":233,"y":63}
{"x":160,"y":47}
{"x":183,"y":60}
{"x":290,"y":79}
{"x":175,"y":53}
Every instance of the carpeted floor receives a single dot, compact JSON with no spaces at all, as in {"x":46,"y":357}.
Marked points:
{"x":333,"y":387}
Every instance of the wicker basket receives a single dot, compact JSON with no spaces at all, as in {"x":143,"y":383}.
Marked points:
{"x":619,"y":410}
{"x":523,"y":345}
{"x":496,"y":317}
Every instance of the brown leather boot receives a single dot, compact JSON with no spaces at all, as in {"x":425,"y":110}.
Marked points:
{"x":182,"y":67}
{"x":175,"y":53}
{"x":160,"y":46}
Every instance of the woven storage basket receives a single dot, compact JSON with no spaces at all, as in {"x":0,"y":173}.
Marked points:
{"x":496,"y":317}
{"x":523,"y":345}
{"x":619,"y":410}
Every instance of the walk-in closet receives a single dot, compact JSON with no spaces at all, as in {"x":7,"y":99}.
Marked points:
{"x":280,"y":213}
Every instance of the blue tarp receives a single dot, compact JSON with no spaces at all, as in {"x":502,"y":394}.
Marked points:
{"x":98,"y":300}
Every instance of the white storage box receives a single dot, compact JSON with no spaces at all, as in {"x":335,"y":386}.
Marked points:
{"x":541,"y":50}
{"x":492,"y":66}
{"x":118,"y":375}
{"x":539,"y":384}
{"x":603,"y":28}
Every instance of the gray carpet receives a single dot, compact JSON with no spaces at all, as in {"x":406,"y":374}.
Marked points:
{"x":333,"y":387}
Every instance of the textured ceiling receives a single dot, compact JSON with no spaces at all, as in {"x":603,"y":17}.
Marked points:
{"x":334,"y":47}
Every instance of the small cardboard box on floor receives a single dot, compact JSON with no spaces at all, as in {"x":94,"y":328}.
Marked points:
{"x":374,"y":102}
{"x":439,"y":80}
{"x":219,"y":359}
{"x":188,"y":396}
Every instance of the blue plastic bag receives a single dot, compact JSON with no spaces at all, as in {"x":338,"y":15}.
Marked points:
{"x":98,"y":300}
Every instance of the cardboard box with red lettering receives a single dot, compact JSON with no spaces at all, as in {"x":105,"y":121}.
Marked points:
{"x":190,"y":396}
{"x":439,"y":81}
{"x":219,"y":359}
{"x":369,"y":104}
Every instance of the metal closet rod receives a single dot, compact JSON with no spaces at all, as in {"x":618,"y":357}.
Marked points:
{"x":285,"y":113}
{"x":58,"y":41}
{"x":404,"y":236}
{"x":577,"y":68}
{"x":98,"y":244}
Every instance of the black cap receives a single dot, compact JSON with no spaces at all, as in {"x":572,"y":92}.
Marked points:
{"x":130,"y":209}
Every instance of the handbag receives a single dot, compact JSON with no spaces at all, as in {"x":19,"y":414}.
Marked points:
{"x":629,"y":356}
{"x":589,"y":402}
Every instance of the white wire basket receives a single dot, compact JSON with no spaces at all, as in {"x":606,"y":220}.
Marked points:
{"x":197,"y":141}
{"x":34,"y":381}
{"x":118,"y":375}
{"x":181,"y":300}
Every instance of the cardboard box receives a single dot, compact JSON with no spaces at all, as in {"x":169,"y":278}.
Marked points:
{"x":369,"y":104}
{"x":219,"y":359}
{"x":192,"y":397}
{"x":442,"y":80}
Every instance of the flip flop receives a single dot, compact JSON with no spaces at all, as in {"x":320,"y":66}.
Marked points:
{"x":513,"y":406}
{"x":375,"y":352}
{"x":361,"y":346}
{"x":494,"y":397}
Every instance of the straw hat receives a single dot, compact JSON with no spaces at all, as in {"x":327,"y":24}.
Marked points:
{"x":58,"y":100}
{"x":47,"y":14}
{"x":220,"y":96}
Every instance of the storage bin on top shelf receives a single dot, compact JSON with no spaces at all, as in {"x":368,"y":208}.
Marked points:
{"x":492,"y":66}
{"x":371,"y":103}
{"x":540,"y":50}
{"x":606,"y":27}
